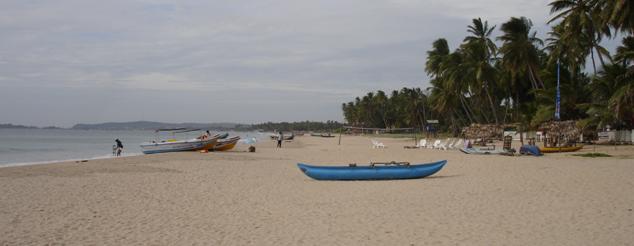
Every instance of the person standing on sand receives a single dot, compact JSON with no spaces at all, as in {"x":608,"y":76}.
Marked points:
{"x":280,"y":138}
{"x":119,"y":147}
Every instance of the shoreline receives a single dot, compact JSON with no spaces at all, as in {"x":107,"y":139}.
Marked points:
{"x":34,"y":163}
{"x":600,"y":148}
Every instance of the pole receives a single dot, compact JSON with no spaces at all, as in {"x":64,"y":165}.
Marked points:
{"x":558,"y":96}
{"x":340,"y":131}
{"x":415,"y":139}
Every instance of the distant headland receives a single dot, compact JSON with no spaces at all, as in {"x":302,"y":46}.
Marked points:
{"x":12,"y":126}
{"x":151,"y":125}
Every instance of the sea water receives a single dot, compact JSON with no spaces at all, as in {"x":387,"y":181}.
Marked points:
{"x":39,"y":146}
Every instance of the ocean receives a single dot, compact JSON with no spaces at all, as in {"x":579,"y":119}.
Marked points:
{"x":39,"y":146}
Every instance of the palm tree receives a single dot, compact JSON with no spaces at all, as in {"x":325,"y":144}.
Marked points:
{"x":482,"y":50}
{"x":519,"y":50}
{"x":613,"y":90}
{"x":445,"y":67}
{"x":436,"y":57}
{"x":622,"y":100}
{"x":579,"y":20}
{"x":455,"y":78}
{"x":481,"y":33}
{"x":603,"y":86}
{"x":381,"y":102}
{"x":445,"y":102}
{"x":616,"y":13}
{"x":625,"y":52}
{"x":622,"y":103}
{"x":520,"y":59}
{"x":567,"y":48}
{"x":350,"y":113}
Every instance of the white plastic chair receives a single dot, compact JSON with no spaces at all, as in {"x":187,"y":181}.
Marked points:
{"x":436,"y":144}
{"x":458,"y":144}
{"x":430,"y":145}
{"x":377,"y":144}
{"x":451,"y":144}
{"x":422,"y":144}
{"x":443,"y":145}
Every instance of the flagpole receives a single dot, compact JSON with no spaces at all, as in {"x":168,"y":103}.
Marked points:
{"x":558,"y":96}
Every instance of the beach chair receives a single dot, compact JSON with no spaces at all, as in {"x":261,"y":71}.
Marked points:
{"x":451,"y":144}
{"x":443,"y":145}
{"x":377,"y":144}
{"x":436,"y":144}
{"x":430,"y":145}
{"x":422,"y":144}
{"x":458,"y":144}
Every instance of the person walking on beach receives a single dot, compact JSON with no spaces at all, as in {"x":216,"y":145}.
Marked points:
{"x":280,"y":138}
{"x":119,"y":147}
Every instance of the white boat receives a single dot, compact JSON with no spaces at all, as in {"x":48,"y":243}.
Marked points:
{"x":483,"y":151}
{"x":172,"y":145}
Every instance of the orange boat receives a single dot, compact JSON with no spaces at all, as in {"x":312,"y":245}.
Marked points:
{"x":226,"y":144}
{"x":560,"y":149}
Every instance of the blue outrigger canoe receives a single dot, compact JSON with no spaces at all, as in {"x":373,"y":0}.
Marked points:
{"x":371,"y":172}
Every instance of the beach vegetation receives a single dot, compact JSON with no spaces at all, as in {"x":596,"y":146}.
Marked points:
{"x":512,"y":78}
{"x":317,"y":126}
{"x":592,"y":155}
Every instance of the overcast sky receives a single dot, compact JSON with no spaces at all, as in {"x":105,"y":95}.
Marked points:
{"x":77,"y":61}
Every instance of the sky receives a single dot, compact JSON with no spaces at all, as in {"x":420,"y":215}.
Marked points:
{"x":78,"y":61}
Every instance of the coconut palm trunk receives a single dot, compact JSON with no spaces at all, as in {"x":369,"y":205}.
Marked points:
{"x":495,"y":114}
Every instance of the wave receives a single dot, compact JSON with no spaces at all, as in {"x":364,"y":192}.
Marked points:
{"x":14,"y":150}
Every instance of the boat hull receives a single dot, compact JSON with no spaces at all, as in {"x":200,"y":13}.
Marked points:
{"x":177,"y":146}
{"x":291,"y":137}
{"x":371,"y":173}
{"x":559,"y":149}
{"x":474,"y":151}
{"x":226,"y":144}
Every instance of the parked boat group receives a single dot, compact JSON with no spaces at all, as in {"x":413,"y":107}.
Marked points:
{"x":373,"y":171}
{"x":205,"y":142}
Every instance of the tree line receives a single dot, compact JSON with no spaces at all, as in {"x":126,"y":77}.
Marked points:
{"x":512,"y":78}
{"x":327,"y":126}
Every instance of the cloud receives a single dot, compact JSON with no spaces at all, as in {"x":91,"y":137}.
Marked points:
{"x":327,"y":51}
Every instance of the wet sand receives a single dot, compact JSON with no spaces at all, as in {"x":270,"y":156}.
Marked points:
{"x":240,"y":198}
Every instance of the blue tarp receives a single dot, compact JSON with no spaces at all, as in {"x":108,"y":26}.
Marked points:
{"x":530,"y":150}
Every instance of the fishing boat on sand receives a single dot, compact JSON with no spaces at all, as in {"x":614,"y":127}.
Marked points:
{"x":223,"y":136}
{"x":226,"y":144}
{"x":560,"y":149}
{"x":483,"y":151}
{"x":286,"y":137}
{"x":323,"y":135}
{"x":390,"y":170}
{"x":172,"y":145}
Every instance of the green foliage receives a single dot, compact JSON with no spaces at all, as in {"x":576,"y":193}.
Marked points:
{"x":327,"y":126}
{"x":405,"y":108}
{"x":516,"y":82}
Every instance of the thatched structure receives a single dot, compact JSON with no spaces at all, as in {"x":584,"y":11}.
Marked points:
{"x":483,"y":131}
{"x":561,"y":132}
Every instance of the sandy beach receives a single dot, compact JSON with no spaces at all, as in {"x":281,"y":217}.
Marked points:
{"x":240,"y":198}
